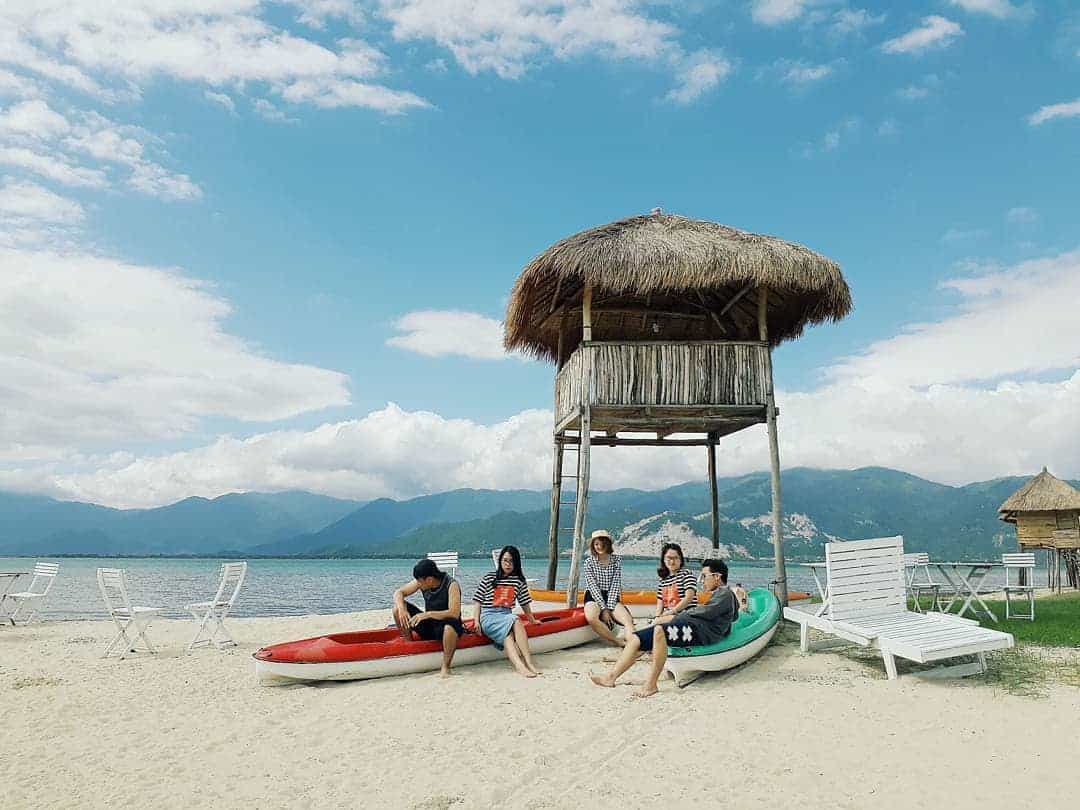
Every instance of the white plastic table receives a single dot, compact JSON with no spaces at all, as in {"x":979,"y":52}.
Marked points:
{"x":7,"y":579}
{"x":966,"y":586}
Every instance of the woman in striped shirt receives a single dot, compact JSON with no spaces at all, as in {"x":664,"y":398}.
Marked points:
{"x":678,"y":585}
{"x":603,"y":588}
{"x":495,"y":596}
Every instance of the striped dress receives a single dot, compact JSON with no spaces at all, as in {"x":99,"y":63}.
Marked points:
{"x":673,"y":588}
{"x":604,"y":578}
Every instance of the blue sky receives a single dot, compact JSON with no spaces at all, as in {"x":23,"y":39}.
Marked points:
{"x":233,"y":232}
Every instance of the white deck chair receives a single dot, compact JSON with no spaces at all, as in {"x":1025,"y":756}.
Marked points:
{"x":127,"y":617}
{"x":919,"y":580}
{"x":33,"y":597}
{"x":446,"y":560}
{"x":210,"y":616}
{"x":495,"y":562}
{"x":868,"y":606}
{"x":1024,"y":566}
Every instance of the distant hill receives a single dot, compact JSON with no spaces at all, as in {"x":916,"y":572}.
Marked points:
{"x":819,"y":505}
{"x":31,"y":524}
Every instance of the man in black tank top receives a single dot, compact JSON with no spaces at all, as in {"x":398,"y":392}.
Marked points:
{"x":440,"y":620}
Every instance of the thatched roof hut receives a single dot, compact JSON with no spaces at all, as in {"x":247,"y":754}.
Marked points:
{"x":666,"y":277}
{"x":1046,"y":512}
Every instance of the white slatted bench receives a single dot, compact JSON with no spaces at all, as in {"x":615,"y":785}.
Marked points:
{"x":867,"y":605}
{"x":446,"y":561}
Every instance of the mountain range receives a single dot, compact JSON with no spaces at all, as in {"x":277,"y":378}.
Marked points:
{"x":819,"y":505}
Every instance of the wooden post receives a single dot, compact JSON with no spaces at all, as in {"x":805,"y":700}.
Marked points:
{"x":582,"y":504}
{"x":774,"y":450}
{"x":553,"y":530}
{"x":580,"y":509}
{"x":712,"y":493}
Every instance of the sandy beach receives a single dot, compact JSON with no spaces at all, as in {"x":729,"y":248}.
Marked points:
{"x":197,"y":730}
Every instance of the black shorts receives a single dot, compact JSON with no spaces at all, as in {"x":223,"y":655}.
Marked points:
{"x":432,"y":629}
{"x":588,"y":596}
{"x":677,"y":633}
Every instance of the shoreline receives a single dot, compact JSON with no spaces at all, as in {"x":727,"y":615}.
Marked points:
{"x":177,"y":730}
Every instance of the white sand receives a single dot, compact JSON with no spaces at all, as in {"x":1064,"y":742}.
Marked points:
{"x":787,"y":730}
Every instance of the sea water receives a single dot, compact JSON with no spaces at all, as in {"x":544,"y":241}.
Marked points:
{"x":288,"y":587}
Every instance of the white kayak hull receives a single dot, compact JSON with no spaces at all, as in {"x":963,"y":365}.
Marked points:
{"x":688,"y":669}
{"x":271,"y":673}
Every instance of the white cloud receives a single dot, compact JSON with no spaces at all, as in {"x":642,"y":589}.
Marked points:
{"x":32,"y":119}
{"x":1067,"y":109}
{"x":700,"y":73}
{"x":1022,"y":215}
{"x":94,"y":351}
{"x":30,"y":201}
{"x":913,"y":92}
{"x":956,"y":235}
{"x":53,"y":167}
{"x":507,"y":36}
{"x":854,"y":21}
{"x":12,"y":85}
{"x":331,"y":93}
{"x":1001,"y":9}
{"x":953,"y":401}
{"x":221,"y":99}
{"x":438,"y":333}
{"x":888,"y":128}
{"x":935,"y":32}
{"x":802,"y":74}
{"x":270,"y":111}
{"x":777,"y":12}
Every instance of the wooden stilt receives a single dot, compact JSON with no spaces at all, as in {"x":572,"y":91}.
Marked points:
{"x":580,"y":510}
{"x":712,"y":493}
{"x":553,"y":530}
{"x":774,"y":451}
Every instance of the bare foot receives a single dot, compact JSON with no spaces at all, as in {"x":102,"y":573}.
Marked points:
{"x":602,"y":680}
{"x":529,"y":674}
{"x":645,"y":691}
{"x":444,"y":672}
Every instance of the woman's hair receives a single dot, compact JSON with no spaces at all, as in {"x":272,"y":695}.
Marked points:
{"x":661,"y":570}
{"x":604,"y":541}
{"x":515,"y":555}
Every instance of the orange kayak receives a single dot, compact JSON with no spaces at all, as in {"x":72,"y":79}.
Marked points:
{"x":641,"y":604}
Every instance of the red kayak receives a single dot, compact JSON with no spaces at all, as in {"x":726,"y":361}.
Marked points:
{"x":380,"y":653}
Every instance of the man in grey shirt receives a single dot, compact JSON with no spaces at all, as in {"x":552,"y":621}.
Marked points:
{"x":696,"y":626}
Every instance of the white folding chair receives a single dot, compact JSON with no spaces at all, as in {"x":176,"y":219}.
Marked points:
{"x":210,"y":616}
{"x":127,"y":617}
{"x":41,"y":583}
{"x":919,"y":581}
{"x":1024,"y":566}
{"x":446,"y":560}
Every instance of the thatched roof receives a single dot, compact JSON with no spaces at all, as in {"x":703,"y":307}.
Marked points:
{"x":663,"y":276}
{"x":1043,"y":493}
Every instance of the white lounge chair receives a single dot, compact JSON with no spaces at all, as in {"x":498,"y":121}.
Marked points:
{"x":33,"y":597}
{"x":868,"y":606}
{"x":1023,"y":564}
{"x":127,"y":617}
{"x":446,"y":560}
{"x":210,"y":616}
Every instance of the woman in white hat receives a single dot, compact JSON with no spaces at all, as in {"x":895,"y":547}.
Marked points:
{"x":603,"y":589}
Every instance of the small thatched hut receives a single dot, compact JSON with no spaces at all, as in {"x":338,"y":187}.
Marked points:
{"x":665,"y":325}
{"x":1046,"y":513}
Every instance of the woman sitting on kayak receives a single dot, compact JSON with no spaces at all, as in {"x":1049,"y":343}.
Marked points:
{"x":603,"y":588}
{"x":495,"y":596}
{"x":678,"y":585}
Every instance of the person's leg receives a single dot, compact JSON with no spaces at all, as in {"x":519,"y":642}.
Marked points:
{"x":522,"y":639}
{"x":659,"y":658}
{"x":401,"y":621}
{"x":449,"y":646}
{"x":626,"y":660}
{"x":512,"y":652}
{"x":623,"y":617}
{"x":592,"y":616}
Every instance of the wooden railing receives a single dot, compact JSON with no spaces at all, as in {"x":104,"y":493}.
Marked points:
{"x":662,"y":373}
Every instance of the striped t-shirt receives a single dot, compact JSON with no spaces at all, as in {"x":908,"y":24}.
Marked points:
{"x":673,"y":588}
{"x":604,"y":578}
{"x":502,"y":593}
